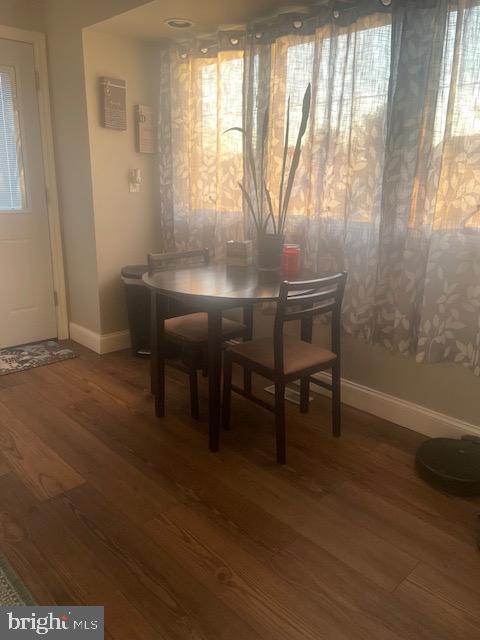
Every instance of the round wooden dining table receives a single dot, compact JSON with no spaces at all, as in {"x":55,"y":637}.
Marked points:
{"x":212,"y":289}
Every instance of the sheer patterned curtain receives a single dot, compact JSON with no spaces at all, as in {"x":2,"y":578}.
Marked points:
{"x":200,"y":97}
{"x":388,"y":186}
{"x":335,"y":209}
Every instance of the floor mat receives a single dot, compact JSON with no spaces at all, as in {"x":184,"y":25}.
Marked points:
{"x":13,"y":592}
{"x":28,"y":356}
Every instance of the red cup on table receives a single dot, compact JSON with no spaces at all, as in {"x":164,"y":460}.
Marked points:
{"x":291,"y":258}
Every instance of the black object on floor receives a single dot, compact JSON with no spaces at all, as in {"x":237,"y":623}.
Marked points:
{"x":138,"y":307}
{"x":451,"y":465}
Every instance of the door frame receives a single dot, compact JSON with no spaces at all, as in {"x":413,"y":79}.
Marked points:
{"x":38,"y":41}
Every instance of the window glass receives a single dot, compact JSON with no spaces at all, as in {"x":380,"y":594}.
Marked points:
{"x":457,"y":124}
{"x":12,"y":191}
{"x":340,"y":171}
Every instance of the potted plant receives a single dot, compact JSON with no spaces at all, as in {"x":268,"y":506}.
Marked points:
{"x":270,"y":225}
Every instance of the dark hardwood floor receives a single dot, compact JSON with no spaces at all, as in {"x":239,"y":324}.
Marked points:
{"x":101,"y":503}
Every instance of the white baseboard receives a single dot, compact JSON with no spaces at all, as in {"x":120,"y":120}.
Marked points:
{"x":291,"y":395}
{"x":383,"y":405}
{"x":406,"y":414}
{"x":98,"y":342}
{"x":85,"y":337}
{"x":116,"y":341}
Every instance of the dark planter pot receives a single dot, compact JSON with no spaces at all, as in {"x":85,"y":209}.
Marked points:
{"x":269,"y":252}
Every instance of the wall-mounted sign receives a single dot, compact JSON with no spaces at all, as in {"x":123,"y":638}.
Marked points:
{"x":145,"y":129}
{"x":113,"y":103}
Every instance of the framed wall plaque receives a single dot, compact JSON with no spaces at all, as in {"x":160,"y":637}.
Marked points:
{"x":145,"y":129}
{"x":113,"y":93}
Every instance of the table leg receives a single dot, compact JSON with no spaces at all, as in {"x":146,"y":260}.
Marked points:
{"x":157,"y":357}
{"x":153,"y":342}
{"x":248,"y":322}
{"x":214,"y":375}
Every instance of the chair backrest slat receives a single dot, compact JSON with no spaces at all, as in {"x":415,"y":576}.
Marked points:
{"x":315,"y":284}
{"x":304,"y":301}
{"x":311,"y":297}
{"x":306,"y":314}
{"x":165,"y":261}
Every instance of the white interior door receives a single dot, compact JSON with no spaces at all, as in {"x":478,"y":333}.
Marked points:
{"x":27,"y":304}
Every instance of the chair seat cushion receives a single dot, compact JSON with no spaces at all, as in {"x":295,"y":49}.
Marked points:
{"x":298,"y":356}
{"x":194,"y":327}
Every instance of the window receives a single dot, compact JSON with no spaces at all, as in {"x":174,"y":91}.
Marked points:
{"x":463,"y":74}
{"x":216,"y":162}
{"x":350,"y":68}
{"x":12,"y":190}
{"x":358,"y":93}
{"x":456,"y":141}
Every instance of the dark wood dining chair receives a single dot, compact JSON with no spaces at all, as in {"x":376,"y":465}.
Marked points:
{"x":284,"y":359}
{"x":188,"y":328}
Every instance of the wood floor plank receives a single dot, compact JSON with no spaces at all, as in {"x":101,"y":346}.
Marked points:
{"x":170,"y":598}
{"x":31,"y":533}
{"x":10,"y":380}
{"x":449,"y":585}
{"x":347,"y":593}
{"x":344,"y":543}
{"x":4,"y":466}
{"x":238,"y":579}
{"x":330,"y":528}
{"x":312,"y":570}
{"x":35,"y":463}
{"x":30,"y":563}
{"x":327,"y":466}
{"x":189,"y":479}
{"x":453,"y":514}
{"x":409,"y":533}
{"x":440,"y":618}
{"x":96,"y":462}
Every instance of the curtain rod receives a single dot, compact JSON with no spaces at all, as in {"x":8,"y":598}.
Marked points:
{"x":298,"y":14}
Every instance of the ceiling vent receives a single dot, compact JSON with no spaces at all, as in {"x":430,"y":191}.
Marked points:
{"x":179,"y":23}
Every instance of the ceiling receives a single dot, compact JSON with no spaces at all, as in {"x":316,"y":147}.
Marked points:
{"x":147,"y":22}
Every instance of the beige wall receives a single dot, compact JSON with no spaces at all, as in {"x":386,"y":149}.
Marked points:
{"x":124,"y":222}
{"x":445,"y":387}
{"x":22,"y":14}
{"x":64,"y":21}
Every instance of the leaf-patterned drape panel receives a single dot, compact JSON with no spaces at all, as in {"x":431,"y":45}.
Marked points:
{"x":388,"y":185}
{"x":335,"y":208}
{"x":165,"y":155}
{"x":199,"y":167}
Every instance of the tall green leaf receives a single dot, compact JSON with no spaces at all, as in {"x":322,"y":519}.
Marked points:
{"x":251,"y":161}
{"x":250,"y":206}
{"x":261,"y":222}
{"x":284,"y":161}
{"x":270,"y":210}
{"x":262,"y":155}
{"x":296,"y":156}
